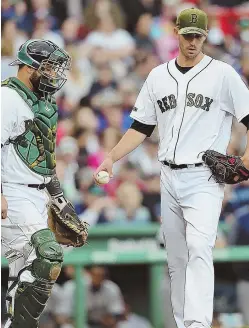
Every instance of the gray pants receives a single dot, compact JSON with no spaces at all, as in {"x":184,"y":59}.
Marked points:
{"x":243,"y":299}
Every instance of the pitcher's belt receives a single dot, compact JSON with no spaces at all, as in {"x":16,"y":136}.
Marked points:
{"x":181,"y":166}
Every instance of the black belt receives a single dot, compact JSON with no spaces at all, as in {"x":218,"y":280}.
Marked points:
{"x":181,"y":166}
{"x":37,"y":186}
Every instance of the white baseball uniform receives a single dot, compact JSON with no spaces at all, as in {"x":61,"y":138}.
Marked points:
{"x":27,"y":212}
{"x":194,"y":113}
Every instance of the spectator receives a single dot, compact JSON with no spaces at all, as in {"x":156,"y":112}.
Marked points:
{"x":84,"y":179}
{"x":24,"y":18}
{"x":82,"y":136}
{"x":162,"y":32}
{"x":105,"y":301}
{"x":142,"y":37}
{"x":151,"y":196}
{"x":97,"y":9}
{"x":12,"y":38}
{"x":128,"y":91}
{"x":8,"y":10}
{"x":94,"y":206}
{"x":130,"y":209}
{"x":145,"y":61}
{"x":43,"y":30}
{"x":245,"y":65}
{"x":6,"y":59}
{"x":48,"y":317}
{"x":146,"y":159}
{"x":85,"y":118}
{"x":42,"y":10}
{"x":65,"y":128}
{"x":64,"y":315}
{"x":110,"y":113}
{"x":68,"y":152}
{"x":70,"y":31}
{"x":105,"y":306}
{"x":133,"y":320}
{"x":114,"y":43}
{"x":238,"y":207}
{"x":104,"y":80}
{"x":108,"y":139}
{"x":135,"y":8}
{"x":79,"y":81}
{"x":126,"y":172}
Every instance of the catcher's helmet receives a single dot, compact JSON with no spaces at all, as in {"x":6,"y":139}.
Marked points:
{"x":48,"y":59}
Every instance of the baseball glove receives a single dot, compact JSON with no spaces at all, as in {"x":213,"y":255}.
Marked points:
{"x":225,"y":169}
{"x":64,"y":222}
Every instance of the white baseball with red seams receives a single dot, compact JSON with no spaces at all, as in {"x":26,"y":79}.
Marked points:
{"x":193,"y":112}
{"x":103,"y":177}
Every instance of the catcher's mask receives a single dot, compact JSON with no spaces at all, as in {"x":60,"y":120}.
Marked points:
{"x":50,"y":61}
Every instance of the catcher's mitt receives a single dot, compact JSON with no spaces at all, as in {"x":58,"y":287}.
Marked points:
{"x":65,"y":223}
{"x":225,"y":169}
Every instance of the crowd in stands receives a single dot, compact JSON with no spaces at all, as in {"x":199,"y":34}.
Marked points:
{"x":114,"y":45}
{"x":112,"y":56}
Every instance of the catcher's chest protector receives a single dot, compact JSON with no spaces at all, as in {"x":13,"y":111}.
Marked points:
{"x":36,"y":146}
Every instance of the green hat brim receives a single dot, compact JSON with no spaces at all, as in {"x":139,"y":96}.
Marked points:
{"x":192,"y":30}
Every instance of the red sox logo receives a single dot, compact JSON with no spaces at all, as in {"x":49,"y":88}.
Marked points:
{"x":232,"y":160}
{"x":194,"y":18}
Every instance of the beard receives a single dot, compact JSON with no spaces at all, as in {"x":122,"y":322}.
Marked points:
{"x":35,"y":79}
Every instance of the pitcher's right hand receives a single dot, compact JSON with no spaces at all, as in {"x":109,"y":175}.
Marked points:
{"x":107,"y":165}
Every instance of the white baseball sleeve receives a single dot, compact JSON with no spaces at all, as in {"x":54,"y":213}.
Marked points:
{"x":8,"y":114}
{"x":144,"y":110}
{"x":234,"y":94}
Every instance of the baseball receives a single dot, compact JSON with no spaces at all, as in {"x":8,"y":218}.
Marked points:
{"x":103,"y":177}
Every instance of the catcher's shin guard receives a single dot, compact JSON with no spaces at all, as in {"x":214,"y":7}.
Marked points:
{"x":35,"y":282}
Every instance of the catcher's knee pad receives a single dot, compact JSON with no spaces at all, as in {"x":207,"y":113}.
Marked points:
{"x":35,"y":282}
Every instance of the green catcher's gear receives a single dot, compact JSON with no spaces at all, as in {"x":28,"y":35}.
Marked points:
{"x":64,"y":222}
{"x":36,"y":145}
{"x":49,"y":60}
{"x":33,"y":292}
{"x":62,"y":219}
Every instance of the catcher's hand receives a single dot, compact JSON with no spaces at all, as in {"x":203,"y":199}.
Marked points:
{"x":225,"y":169}
{"x":64,"y":222}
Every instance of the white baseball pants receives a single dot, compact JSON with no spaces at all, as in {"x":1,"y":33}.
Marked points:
{"x":191,"y":205}
{"x":27,"y":213}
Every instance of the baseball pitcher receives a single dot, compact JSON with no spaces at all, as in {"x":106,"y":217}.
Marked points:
{"x":31,"y":241}
{"x":192,"y":99}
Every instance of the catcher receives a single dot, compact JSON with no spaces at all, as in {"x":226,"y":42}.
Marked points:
{"x":29,"y":182}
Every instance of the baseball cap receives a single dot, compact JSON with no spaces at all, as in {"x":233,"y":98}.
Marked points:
{"x":192,"y":20}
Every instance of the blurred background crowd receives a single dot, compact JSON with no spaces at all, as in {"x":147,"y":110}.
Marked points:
{"x":114,"y":45}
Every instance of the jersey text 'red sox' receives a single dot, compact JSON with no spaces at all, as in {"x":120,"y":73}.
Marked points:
{"x":199,"y":101}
